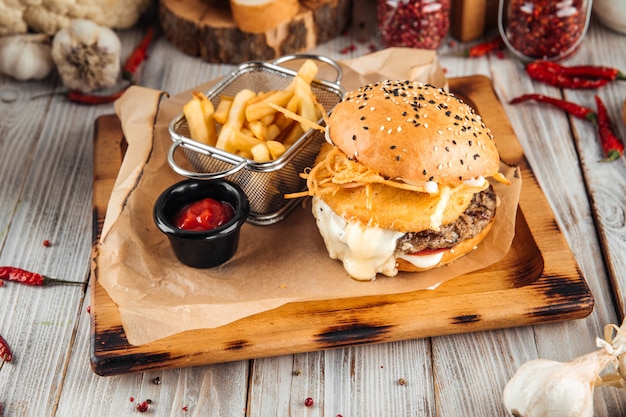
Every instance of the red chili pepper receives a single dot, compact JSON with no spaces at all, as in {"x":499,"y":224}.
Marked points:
{"x":612,"y":146}
{"x":585,"y":71}
{"x":84,"y":98}
{"x":553,"y":74}
{"x":137,"y":57}
{"x":5,"y":352}
{"x":484,"y":48}
{"x":22,"y":276}
{"x":574,"y":109}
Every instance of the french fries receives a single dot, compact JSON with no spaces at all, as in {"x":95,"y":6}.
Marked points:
{"x":257,"y":125}
{"x":199,"y":113}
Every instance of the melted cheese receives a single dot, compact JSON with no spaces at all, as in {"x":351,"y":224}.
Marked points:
{"x":437,"y":217}
{"x":475,"y":182}
{"x":364,"y":251}
{"x":423,"y":261}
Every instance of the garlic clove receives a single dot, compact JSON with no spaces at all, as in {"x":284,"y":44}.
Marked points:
{"x":26,"y":56}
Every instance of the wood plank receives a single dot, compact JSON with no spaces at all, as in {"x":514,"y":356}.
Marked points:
{"x":493,"y":298}
{"x":45,"y":195}
{"x":605,"y":182}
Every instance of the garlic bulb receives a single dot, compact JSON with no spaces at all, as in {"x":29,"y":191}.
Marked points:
{"x":545,"y":388}
{"x":87,"y":56}
{"x":26,"y":57}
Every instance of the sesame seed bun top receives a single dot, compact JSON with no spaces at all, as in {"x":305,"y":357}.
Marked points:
{"x":415,"y":132}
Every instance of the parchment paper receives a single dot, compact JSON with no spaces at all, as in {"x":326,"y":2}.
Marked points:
{"x":157,"y":296}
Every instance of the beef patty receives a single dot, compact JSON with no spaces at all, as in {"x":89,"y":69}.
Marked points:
{"x":476,"y":217}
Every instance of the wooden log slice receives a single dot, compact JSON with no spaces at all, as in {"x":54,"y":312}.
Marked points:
{"x":207,"y":30}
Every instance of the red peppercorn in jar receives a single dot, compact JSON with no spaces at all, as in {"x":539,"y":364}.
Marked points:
{"x":413,"y":23}
{"x":544,"y":29}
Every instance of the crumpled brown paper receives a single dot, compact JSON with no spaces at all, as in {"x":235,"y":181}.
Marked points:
{"x":157,"y":296}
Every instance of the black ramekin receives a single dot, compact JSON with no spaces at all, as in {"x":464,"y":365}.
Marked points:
{"x":202,"y":249}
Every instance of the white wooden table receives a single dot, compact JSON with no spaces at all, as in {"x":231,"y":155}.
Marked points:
{"x":46,"y":194}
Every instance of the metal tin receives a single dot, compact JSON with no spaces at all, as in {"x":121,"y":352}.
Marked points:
{"x":265,"y":183}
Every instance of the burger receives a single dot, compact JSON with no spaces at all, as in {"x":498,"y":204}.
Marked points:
{"x":402,"y":184}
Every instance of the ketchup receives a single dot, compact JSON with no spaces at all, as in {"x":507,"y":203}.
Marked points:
{"x":205,"y":214}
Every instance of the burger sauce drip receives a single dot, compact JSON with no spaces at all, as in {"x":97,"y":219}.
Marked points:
{"x":205,"y":214}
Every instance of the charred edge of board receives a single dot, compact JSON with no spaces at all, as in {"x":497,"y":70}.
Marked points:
{"x":113,"y":338}
{"x":117,"y":365}
{"x":565,"y":287}
{"x":114,"y":361}
{"x":564,"y":295}
{"x":353,"y":333}
{"x":466,"y":319}
{"x":237,"y":345}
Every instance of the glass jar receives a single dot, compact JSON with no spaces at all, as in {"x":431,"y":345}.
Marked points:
{"x":543,"y":29}
{"x":413,"y":23}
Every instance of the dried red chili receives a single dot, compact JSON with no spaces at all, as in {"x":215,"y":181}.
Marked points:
{"x":574,"y":109}
{"x":484,"y":48}
{"x":82,"y":98}
{"x":413,"y":23}
{"x":139,"y":54}
{"x":612,"y":146}
{"x":580,"y":71}
{"x":9,"y":273}
{"x":552,"y":74}
{"x":5,"y":352}
{"x":591,"y":71}
{"x":544,"y":28}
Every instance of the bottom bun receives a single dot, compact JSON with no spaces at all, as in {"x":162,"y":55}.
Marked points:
{"x":450,"y":255}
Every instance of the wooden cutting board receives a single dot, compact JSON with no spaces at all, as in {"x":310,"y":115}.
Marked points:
{"x":206,"y":29}
{"x":538,"y":281}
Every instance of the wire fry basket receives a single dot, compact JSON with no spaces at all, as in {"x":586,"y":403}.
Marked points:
{"x":264,"y":183}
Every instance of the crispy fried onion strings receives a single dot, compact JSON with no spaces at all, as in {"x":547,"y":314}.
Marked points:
{"x":337,"y":171}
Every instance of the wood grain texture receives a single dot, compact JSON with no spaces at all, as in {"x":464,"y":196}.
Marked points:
{"x":447,"y":376}
{"x":538,"y":281}
{"x":207,"y":30}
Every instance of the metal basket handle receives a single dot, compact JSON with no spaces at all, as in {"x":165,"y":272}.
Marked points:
{"x":334,"y":64}
{"x":201,"y":175}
